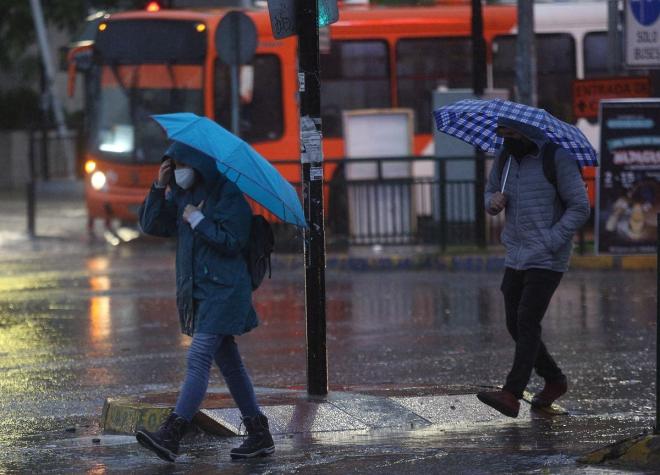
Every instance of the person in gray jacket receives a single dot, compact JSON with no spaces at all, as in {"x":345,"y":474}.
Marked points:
{"x":541,"y":219}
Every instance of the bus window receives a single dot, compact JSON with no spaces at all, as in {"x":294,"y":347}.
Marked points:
{"x":595,"y":54}
{"x":261,"y":116}
{"x":555,"y":70}
{"x":355,"y":75}
{"x":423,"y":64}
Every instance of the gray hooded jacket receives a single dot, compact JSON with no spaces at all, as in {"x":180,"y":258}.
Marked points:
{"x":539,"y":226}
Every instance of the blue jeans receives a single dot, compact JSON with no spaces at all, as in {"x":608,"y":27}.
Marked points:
{"x":204,"y":349}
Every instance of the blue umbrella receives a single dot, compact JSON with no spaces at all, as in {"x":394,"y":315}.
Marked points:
{"x":475,"y":121}
{"x":238,"y":161}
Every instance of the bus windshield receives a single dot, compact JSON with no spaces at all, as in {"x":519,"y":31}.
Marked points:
{"x":144,"y":68}
{"x":129,"y":95}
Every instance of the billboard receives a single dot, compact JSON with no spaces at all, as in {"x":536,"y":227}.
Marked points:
{"x":629,"y":179}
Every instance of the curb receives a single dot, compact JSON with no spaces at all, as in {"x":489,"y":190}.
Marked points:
{"x":642,"y":451}
{"x":293,"y":411}
{"x":473,"y":263}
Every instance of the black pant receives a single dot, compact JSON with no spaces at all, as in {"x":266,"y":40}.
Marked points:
{"x":527,"y":294}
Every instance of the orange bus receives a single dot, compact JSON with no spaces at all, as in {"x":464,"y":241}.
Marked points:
{"x":151,"y":62}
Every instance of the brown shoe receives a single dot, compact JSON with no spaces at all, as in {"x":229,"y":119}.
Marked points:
{"x":552,"y":391}
{"x":503,"y":401}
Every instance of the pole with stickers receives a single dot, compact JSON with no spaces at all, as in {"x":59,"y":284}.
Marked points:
{"x":303,"y":18}
{"x":311,"y":156}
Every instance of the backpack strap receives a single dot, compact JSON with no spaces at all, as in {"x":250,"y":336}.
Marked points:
{"x":550,"y":167}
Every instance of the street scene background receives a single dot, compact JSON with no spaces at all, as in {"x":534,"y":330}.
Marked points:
{"x":84,"y":320}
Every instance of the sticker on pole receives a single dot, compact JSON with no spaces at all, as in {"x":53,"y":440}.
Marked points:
{"x":310,"y":141}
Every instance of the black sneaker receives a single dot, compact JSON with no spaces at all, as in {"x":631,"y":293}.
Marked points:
{"x":259,"y":442}
{"x":165,"y":441}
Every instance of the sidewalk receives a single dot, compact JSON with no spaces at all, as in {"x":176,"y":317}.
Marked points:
{"x":293,"y":411}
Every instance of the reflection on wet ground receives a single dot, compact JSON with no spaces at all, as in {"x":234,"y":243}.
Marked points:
{"x":78,"y":324}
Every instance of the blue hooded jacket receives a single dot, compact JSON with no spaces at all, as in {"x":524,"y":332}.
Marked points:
{"x":213,"y":289}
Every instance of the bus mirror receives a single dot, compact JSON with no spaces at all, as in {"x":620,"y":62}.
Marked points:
{"x":79,"y":60}
{"x":71,"y":79}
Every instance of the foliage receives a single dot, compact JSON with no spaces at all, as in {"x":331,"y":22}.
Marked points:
{"x":17,"y":26}
{"x":22,"y":105}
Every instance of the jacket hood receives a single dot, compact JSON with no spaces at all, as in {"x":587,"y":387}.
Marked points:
{"x":203,"y":164}
{"x":534,"y":134}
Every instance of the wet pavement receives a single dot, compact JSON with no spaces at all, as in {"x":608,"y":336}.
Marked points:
{"x":81,"y":320}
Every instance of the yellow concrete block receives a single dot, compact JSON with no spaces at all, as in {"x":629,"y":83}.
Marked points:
{"x":638,"y":262}
{"x":123,"y":416}
{"x":592,"y":262}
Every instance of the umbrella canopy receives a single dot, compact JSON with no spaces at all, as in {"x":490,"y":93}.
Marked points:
{"x":475,"y":121}
{"x":238,"y":161}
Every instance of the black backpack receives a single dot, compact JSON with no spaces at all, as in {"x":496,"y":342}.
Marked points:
{"x":258,"y":250}
{"x":549,"y":165}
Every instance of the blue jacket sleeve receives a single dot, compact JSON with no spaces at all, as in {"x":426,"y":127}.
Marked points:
{"x":157,"y":214}
{"x":226,"y":227}
{"x":574,"y":196}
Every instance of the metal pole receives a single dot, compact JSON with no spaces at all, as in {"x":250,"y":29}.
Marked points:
{"x":526,"y":54}
{"x":656,"y":429}
{"x":233,"y":69}
{"x":478,"y":86}
{"x":442,"y":169}
{"x":30,"y":195}
{"x":613,"y":37}
{"x":309,"y":87}
{"x":44,"y":156}
{"x":234,"y":80}
{"x":49,"y":71}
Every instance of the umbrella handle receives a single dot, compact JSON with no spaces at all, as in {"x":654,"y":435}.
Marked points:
{"x":506,"y":174}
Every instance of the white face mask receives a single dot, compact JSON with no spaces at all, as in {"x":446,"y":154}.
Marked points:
{"x":184,"y":177}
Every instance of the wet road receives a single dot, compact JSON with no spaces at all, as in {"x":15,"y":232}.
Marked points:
{"x":81,"y":322}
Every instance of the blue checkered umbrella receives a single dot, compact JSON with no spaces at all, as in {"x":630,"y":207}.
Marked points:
{"x":475,"y":122}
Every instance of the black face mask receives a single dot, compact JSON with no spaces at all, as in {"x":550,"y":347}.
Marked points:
{"x":519,"y":148}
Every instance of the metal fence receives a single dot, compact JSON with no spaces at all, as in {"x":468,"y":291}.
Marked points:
{"x":407,"y":200}
{"x":49,"y":154}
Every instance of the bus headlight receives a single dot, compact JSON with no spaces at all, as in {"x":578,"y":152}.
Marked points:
{"x":98,"y":180}
{"x":90,"y":166}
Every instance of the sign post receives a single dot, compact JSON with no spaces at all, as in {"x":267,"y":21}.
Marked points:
{"x":642,"y":33}
{"x":303,"y":17}
{"x":236,"y":43}
{"x":309,"y":87}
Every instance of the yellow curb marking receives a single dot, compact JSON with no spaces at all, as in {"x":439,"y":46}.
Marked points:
{"x":592,"y":262}
{"x":126,"y":417}
{"x":638,"y":262}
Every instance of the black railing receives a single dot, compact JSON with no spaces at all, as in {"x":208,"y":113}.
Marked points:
{"x":406,"y":200}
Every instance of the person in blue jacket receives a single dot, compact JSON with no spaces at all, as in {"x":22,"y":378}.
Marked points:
{"x":211,"y":220}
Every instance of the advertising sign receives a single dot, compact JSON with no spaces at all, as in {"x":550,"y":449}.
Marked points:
{"x":587,"y":93}
{"x":642,"y":33}
{"x":629,"y":181}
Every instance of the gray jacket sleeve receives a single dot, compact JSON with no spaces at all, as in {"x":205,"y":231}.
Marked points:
{"x":493,"y":184}
{"x":574,"y":197}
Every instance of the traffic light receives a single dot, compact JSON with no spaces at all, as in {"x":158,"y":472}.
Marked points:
{"x":283,"y":15}
{"x":153,"y":6}
{"x":328,"y":12}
